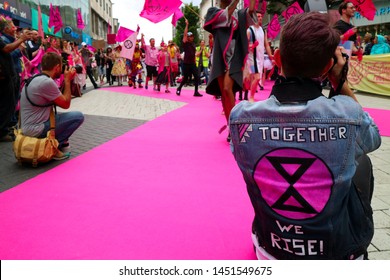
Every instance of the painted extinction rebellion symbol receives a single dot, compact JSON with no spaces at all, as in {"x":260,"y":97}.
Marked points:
{"x":295,"y":183}
{"x":128,"y":44}
{"x":274,"y":26}
{"x":290,"y":11}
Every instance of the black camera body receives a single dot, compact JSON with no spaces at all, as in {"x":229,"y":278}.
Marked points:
{"x":79,"y":68}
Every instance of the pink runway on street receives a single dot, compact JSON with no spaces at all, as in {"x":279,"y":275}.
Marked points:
{"x":167,"y":190}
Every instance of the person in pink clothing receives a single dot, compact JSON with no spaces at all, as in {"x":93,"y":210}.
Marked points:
{"x":151,"y":61}
{"x":164,"y":67}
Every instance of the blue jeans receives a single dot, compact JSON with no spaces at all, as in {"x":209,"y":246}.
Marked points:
{"x":66,"y":124}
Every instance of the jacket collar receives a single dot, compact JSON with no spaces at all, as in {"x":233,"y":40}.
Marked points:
{"x":293,"y":89}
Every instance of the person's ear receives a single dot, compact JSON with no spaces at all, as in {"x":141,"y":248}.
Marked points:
{"x":277,"y":58}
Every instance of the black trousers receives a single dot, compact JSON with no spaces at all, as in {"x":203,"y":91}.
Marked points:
{"x":188,"y":70}
{"x":90,"y":76}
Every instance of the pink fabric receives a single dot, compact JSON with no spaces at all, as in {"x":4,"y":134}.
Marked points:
{"x":273,"y":27}
{"x":55,"y":18}
{"x":167,"y":190}
{"x":80,"y":21}
{"x":366,"y":8}
{"x":292,"y":10}
{"x":40,"y":27}
{"x":123,"y":34}
{"x":178,"y":14}
{"x":92,"y":49}
{"x":129,"y":46}
{"x":31,"y":67}
{"x":158,"y":10}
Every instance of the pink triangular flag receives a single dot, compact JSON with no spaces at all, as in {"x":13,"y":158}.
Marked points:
{"x":80,"y":21}
{"x":292,"y":10}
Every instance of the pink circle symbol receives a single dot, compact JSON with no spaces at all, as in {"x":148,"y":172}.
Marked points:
{"x":294,"y":183}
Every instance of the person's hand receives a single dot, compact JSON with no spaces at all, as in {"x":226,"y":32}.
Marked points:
{"x":25,"y":35}
{"x":255,"y":44}
{"x":186,"y":21}
{"x":69,"y":73}
{"x":336,"y":72}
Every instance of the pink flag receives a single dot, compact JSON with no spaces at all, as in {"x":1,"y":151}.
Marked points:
{"x":58,"y":20}
{"x":365,"y":7}
{"x":92,"y":49}
{"x":80,"y":21}
{"x":55,"y":18}
{"x":51,"y":16}
{"x":123,"y":34}
{"x":40,"y":27}
{"x":292,"y":10}
{"x":129,"y":45}
{"x":273,"y":27}
{"x":178,"y":14}
{"x":158,"y":10}
{"x":263,"y":8}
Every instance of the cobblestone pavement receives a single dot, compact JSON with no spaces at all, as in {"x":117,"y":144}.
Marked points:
{"x":109,"y":115}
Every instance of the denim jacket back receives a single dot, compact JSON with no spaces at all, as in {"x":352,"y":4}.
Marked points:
{"x":298,"y":160}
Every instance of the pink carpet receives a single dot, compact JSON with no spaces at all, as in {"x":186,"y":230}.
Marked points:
{"x":169,"y":189}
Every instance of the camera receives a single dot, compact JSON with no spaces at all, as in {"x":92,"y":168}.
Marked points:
{"x":79,"y":68}
{"x":343,"y":78}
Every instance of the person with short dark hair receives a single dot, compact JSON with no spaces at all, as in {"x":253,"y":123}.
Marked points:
{"x":189,"y":62}
{"x":151,"y":61}
{"x":10,"y":69}
{"x":303,"y":155}
{"x":347,"y":12}
{"x":42,"y":91}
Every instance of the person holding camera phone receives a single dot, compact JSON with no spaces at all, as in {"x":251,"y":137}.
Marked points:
{"x":43,"y":92}
{"x":304,"y":155}
{"x":11,"y":48}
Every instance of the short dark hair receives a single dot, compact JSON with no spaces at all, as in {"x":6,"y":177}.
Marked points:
{"x":307,"y":43}
{"x":344,"y":6}
{"x":50,"y":60}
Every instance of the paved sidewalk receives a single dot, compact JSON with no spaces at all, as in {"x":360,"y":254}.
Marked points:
{"x":109,"y":115}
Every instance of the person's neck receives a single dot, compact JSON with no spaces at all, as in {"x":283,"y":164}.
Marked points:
{"x":345,"y":18}
{"x":49,"y":73}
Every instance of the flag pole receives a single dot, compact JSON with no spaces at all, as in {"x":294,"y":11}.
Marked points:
{"x":192,"y":10}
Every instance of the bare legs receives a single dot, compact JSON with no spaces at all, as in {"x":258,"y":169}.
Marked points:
{"x":228,"y":100}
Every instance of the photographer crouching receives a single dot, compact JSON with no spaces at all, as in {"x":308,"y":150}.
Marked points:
{"x":304,"y":155}
{"x":38,"y":97}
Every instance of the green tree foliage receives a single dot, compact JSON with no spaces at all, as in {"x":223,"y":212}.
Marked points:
{"x":191,"y":14}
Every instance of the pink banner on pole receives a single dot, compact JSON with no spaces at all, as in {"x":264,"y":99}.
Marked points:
{"x":80,"y":21}
{"x":129,"y":45}
{"x":123,"y":34}
{"x":55,"y":18}
{"x":158,"y":10}
{"x":178,"y":14}
{"x":365,"y":7}
{"x":292,"y":10}
{"x":273,"y":27}
{"x":111,"y":39}
{"x":40,"y":27}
